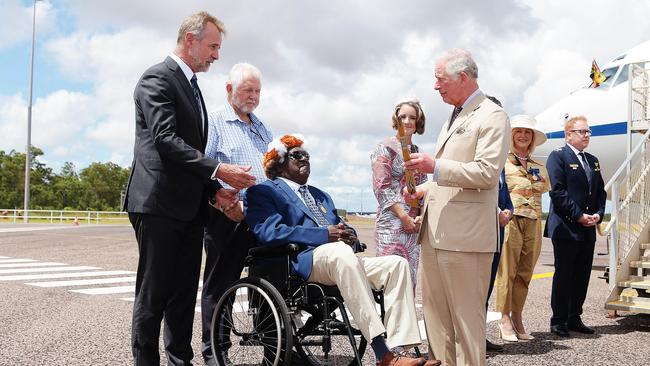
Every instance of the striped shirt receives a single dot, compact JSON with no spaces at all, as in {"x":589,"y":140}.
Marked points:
{"x":233,"y":141}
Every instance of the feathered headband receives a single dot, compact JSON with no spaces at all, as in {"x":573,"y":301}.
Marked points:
{"x":278,"y":148}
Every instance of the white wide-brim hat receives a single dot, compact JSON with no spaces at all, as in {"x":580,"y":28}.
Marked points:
{"x":524,"y":121}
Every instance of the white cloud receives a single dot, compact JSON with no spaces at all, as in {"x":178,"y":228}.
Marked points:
{"x":16,"y":21}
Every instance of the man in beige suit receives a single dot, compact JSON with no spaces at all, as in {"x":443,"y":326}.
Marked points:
{"x":460,"y":226}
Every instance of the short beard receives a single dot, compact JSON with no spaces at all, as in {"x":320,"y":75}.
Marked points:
{"x":194,"y":57}
{"x":240,"y":105}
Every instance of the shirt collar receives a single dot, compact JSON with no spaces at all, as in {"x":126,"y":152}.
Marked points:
{"x":575,"y":151}
{"x":231,"y":116}
{"x":186,"y":69}
{"x":293,"y":185}
{"x":471,"y":97}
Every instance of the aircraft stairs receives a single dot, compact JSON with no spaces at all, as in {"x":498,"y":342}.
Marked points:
{"x":628,"y":231}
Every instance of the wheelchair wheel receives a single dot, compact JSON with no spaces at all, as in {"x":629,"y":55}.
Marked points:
{"x":316,"y":349}
{"x":250,"y":326}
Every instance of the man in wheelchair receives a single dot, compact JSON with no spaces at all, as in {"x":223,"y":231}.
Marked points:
{"x":286,"y":210}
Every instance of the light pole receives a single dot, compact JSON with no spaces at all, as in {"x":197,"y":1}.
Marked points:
{"x":28,"y":153}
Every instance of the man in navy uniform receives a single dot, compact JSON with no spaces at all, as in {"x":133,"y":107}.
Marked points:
{"x":577,"y":206}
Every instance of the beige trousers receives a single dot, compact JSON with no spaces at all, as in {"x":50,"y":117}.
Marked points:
{"x":336,"y":264}
{"x":454,"y":288}
{"x":518,"y":258}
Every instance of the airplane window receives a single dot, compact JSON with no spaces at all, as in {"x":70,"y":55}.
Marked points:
{"x":622,"y":77}
{"x":609,"y":74}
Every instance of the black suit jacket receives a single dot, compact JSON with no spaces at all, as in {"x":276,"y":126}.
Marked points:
{"x":572,"y":195}
{"x":170,"y":175}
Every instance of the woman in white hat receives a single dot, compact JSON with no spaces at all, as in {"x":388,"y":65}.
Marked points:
{"x":527,"y":180}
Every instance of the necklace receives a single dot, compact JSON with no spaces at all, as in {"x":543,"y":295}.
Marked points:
{"x":519,"y":157}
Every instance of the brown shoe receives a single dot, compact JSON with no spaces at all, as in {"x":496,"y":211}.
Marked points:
{"x":391,"y":359}
{"x":433,"y":363}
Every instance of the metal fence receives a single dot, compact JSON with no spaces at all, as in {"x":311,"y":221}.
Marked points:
{"x":64,"y":217}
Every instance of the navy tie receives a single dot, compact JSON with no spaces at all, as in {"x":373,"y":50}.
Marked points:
{"x":311,"y":204}
{"x":586,"y":166}
{"x":197,"y":92}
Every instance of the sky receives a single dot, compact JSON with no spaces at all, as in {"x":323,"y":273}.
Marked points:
{"x":332,"y":70}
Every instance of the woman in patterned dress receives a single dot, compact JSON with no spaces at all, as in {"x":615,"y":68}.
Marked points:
{"x":527,"y":180}
{"x":396,"y":226}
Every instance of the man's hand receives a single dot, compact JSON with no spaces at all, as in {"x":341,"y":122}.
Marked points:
{"x":236,"y":176}
{"x":341,"y":233}
{"x":504,"y":217}
{"x":225,"y":199}
{"x":423,"y":163}
{"x":586,"y":220}
{"x":419,"y":193}
{"x":236,"y":212}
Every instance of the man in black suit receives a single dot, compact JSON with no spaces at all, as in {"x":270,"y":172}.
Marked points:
{"x":577,"y":206}
{"x":169,"y":188}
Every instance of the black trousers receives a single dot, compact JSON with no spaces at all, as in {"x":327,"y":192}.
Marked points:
{"x":166,"y":285}
{"x":495,"y":266}
{"x":573,"y":261}
{"x":226,"y":245}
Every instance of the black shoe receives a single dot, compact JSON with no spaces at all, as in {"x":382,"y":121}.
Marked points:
{"x":493,"y":347}
{"x":580,"y":327}
{"x":560,"y":330}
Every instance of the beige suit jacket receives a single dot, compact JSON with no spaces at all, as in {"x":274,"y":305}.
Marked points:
{"x":460,"y":208}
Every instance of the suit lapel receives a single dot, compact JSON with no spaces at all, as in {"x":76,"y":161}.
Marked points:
{"x":463,"y":118}
{"x":189,"y":94}
{"x":293,"y":198}
{"x":576,"y":160}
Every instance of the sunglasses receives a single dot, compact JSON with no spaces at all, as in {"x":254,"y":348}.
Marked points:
{"x":298,"y":155}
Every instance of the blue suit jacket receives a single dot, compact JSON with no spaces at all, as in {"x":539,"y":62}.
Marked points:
{"x":504,"y":201}
{"x":277,"y":216}
{"x":572,"y":195}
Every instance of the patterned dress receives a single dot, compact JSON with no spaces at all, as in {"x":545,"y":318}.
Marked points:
{"x":388,"y":181}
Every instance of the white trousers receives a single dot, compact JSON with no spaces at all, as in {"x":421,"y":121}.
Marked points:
{"x":336,"y":264}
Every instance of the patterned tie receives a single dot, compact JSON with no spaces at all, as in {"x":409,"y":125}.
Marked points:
{"x":586,"y":166}
{"x":454,"y":114}
{"x":311,"y":203}
{"x":197,"y":96}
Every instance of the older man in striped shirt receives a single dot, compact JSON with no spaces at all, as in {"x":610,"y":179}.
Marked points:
{"x":235,"y":136}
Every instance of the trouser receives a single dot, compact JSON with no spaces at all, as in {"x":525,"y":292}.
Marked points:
{"x":454,"y":288}
{"x":573,"y":261}
{"x":166,"y":285}
{"x":518,"y":259}
{"x":495,"y":266}
{"x":336,"y":264}
{"x":226,"y":245}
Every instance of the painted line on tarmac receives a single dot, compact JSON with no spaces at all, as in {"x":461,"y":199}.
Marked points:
{"x":32,"y":264}
{"x":95,"y":281}
{"x":543,"y":275}
{"x":35,"y":228}
{"x":105,"y":290}
{"x":19,"y":260}
{"x":63,"y":275}
{"x":46,"y":269}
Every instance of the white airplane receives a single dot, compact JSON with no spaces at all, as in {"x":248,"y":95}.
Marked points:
{"x":606,"y":108}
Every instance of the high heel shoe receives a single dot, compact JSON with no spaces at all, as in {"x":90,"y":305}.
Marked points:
{"x":523,"y":336}
{"x":512,"y":337}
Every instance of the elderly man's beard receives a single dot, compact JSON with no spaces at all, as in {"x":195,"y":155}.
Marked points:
{"x":240,"y":105}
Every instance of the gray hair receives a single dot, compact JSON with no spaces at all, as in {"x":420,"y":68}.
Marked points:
{"x":458,"y":60}
{"x":196,"y":23}
{"x":241,"y":71}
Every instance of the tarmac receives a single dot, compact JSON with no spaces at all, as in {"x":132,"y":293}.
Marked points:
{"x":86,"y":320}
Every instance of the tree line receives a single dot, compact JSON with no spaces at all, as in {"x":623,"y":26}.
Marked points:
{"x":98,"y":187}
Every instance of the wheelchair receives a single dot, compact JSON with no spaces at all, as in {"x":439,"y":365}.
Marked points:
{"x":262,"y":318}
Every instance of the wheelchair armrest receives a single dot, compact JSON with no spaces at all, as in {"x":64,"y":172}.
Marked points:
{"x":270,"y":251}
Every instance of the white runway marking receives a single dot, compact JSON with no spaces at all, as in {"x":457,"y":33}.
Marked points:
{"x":1,"y":257}
{"x":63,"y":275}
{"x":7,"y":260}
{"x":97,"y":281}
{"x":31,"y":264}
{"x":36,"y":228}
{"x":106,"y":290}
{"x":47,"y":269}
